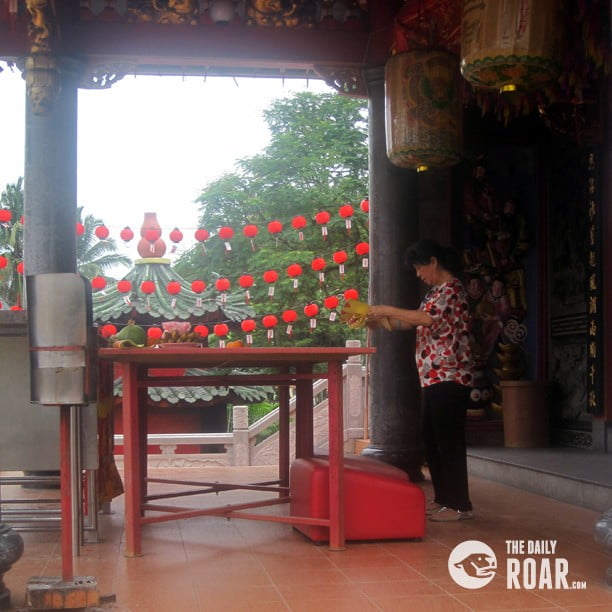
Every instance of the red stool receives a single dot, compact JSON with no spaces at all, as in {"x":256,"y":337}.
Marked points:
{"x":380,"y":501}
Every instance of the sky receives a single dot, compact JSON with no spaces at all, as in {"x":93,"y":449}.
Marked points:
{"x":150,"y":144}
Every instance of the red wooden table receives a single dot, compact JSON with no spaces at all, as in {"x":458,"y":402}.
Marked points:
{"x":285,"y":367}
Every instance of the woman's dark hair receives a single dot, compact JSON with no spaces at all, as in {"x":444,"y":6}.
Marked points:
{"x":421,"y":252}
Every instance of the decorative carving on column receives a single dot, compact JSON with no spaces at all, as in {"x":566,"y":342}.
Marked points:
{"x":11,"y":549}
{"x":42,"y":73}
{"x":104,"y":76}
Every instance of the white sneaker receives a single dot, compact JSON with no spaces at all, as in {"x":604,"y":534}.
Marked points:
{"x":446,"y":515}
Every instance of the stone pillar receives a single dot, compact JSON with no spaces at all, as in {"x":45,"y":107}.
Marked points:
{"x":240,"y":425}
{"x":50,"y":182}
{"x":11,"y":549}
{"x":394,"y":224}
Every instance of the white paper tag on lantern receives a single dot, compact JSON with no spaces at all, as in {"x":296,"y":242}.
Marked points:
{"x":289,"y":329}
{"x":173,"y":303}
{"x":223,"y":298}
{"x":199,"y":302}
{"x":152,"y":247}
{"x":295,"y":283}
{"x":324,"y":231}
{"x":271,"y":291}
{"x":301,"y":235}
{"x":247,"y":295}
{"x":148,"y":303}
{"x":321,"y":277}
{"x":342,"y":269}
{"x":365,"y":262}
{"x":313,"y":323}
{"x":270,"y":335}
{"x":221,"y":343}
{"x":249,"y":339}
{"x":228,"y":246}
{"x":347,"y":222}
{"x":332,"y":315}
{"x":127,"y":300}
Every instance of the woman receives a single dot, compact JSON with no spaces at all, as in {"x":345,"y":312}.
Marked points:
{"x":444,"y":363}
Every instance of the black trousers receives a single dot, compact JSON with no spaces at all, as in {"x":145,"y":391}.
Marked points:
{"x":443,"y":426}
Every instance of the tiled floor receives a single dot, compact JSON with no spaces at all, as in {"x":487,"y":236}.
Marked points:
{"x":211,"y":564}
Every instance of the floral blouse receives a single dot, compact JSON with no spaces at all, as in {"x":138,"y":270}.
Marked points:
{"x":443,"y":351}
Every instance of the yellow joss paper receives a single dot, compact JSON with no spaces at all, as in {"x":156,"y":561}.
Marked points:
{"x":355,"y":313}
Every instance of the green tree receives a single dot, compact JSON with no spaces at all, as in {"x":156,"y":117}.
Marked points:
{"x":96,"y":257}
{"x":317,"y":160}
{"x":11,"y":244}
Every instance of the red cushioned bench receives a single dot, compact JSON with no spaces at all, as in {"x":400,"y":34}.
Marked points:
{"x":380,"y":501}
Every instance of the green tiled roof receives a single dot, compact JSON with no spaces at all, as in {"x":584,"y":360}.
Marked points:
{"x":191,"y":395}
{"x":110,"y":305}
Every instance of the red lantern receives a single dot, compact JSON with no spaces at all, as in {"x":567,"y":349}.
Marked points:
{"x":80,"y":229}
{"x":173,"y":287}
{"x":270,"y":276}
{"x":101,"y":232}
{"x":155,"y":333}
{"x":222,"y":284}
{"x":346,"y":212}
{"x":16,"y":307}
{"x":340,"y":258}
{"x":5,"y":215}
{"x":197,"y":286}
{"x":270,"y":322}
{"x":351,"y":294}
{"x":293,"y":271}
{"x":176,"y":235}
{"x":98,"y":282}
{"x":299,"y":223}
{"x":201,"y":235}
{"x":248,"y":326}
{"x":22,"y":220}
{"x":221,"y":330}
{"x":365,"y":205}
{"x":246,"y":281}
{"x":250,"y":231}
{"x":201,"y":331}
{"x":3,"y":262}
{"x":20,"y":267}
{"x":125,"y":286}
{"x":363,"y":248}
{"x":322,"y":218}
{"x":318,"y":265}
{"x":108,"y":330}
{"x":311,"y":311}
{"x":275,"y":227}
{"x":331,"y":303}
{"x":126,"y":234}
{"x":226,"y":234}
{"x":290,"y":316}
{"x":147,"y":287}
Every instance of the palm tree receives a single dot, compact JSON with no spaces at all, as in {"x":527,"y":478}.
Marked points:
{"x":11,"y":244}
{"x":96,"y":257}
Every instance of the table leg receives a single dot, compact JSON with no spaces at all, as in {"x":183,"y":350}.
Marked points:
{"x":336,"y":457}
{"x":131,"y":460}
{"x":304,"y":446}
{"x":143,"y":430}
{"x":283,"y":450}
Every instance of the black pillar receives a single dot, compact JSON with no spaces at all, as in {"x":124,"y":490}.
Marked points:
{"x":394,"y":224}
{"x":50,"y":181}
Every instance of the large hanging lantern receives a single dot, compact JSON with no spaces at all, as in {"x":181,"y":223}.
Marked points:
{"x":423,"y":109}
{"x":510,"y":44}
